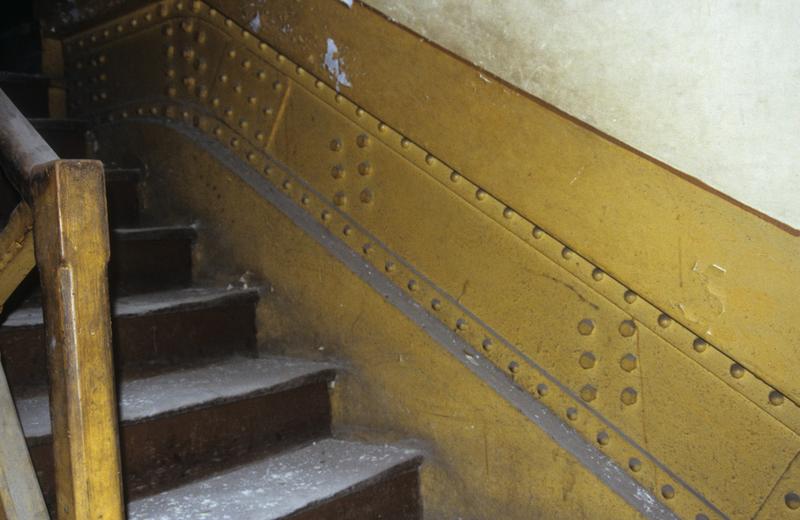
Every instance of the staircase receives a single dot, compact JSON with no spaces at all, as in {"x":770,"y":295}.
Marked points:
{"x":208,"y":427}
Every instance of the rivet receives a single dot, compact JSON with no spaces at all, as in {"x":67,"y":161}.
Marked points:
{"x":280,"y":57}
{"x":776,"y":398}
{"x":170,"y":51}
{"x":405,"y":143}
{"x":629,"y":362}
{"x":189,"y":81}
{"x":630,"y":296}
{"x":187,"y":26}
{"x":537,"y":232}
{"x":223,"y":78}
{"x":436,"y":304}
{"x":542,"y":389}
{"x":318,"y":84}
{"x":667,"y":491}
{"x":251,"y":156}
{"x":382,"y":127}
{"x":588,"y":393}
{"x":235,"y":142}
{"x":566,"y":253}
{"x":261,"y":75}
{"x":598,"y":274}
{"x":480,"y":194}
{"x":487,"y":344}
{"x":366,"y":196}
{"x":635,"y":464}
{"x":267,"y":170}
{"x":572,"y":413}
{"x":212,"y":12}
{"x":629,"y":396}
{"x":508,"y":212}
{"x":260,"y":135}
{"x":107,"y":33}
{"x":699,"y":345}
{"x":263,"y":46}
{"x":168,"y":30}
{"x":202,"y":91}
{"x":390,"y":266}
{"x":461,"y":324}
{"x":299,"y":70}
{"x":243,"y":123}
{"x":188,"y":53}
{"x":148,"y":17}
{"x":367,"y":249}
{"x":335,"y":145}
{"x":627,"y":328}
{"x":134,"y":22}
{"x":229,"y":112}
{"x":164,"y":11}
{"x":413,"y":285}
{"x":186,"y":114}
{"x":197,"y":5}
{"x":337,"y":172}
{"x":430,"y":159}
{"x":120,"y":28}
{"x":363,"y":141}
{"x":339,"y":98}
{"x":201,"y":37}
{"x":347,"y":230}
{"x":455,"y":177}
{"x":179,"y":6}
{"x":171,"y":91}
{"x":304,"y":200}
{"x":232,"y":53}
{"x":287,"y":185}
{"x":238,"y":88}
{"x":587,"y":360}
{"x":215,"y":101}
{"x":326,"y":215}
{"x":603,"y":438}
{"x":267,"y":111}
{"x":365,"y":168}
{"x":252,"y":100}
{"x":585,"y":327}
{"x":154,"y":110}
{"x":664,"y":321}
{"x":792,"y":500}
{"x":340,"y":199}
{"x":245,"y":34}
{"x":103,"y":95}
{"x":359,"y":112}
{"x":277,"y":85}
{"x":513,"y":367}
{"x":737,"y":371}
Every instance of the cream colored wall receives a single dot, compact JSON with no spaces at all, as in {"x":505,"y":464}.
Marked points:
{"x":710,"y":87}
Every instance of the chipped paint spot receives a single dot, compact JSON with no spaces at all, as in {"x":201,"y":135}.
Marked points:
{"x":334,"y":64}
{"x":348,"y":3}
{"x":255,"y":23}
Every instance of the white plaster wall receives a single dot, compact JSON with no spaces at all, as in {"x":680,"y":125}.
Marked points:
{"x":711,"y":87}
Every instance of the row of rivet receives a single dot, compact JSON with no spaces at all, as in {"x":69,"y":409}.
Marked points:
{"x":461,"y":324}
{"x":664,"y":325}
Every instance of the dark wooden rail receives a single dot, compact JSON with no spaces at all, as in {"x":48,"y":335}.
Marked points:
{"x":64,"y":209}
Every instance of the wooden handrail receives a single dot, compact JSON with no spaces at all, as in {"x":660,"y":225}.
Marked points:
{"x":64,"y":204}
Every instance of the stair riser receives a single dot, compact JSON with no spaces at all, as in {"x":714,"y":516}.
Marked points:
{"x":396,"y":497}
{"x":30,"y":97}
{"x":159,"y":338}
{"x":139,"y":266}
{"x":123,"y":203}
{"x":163,"y":452}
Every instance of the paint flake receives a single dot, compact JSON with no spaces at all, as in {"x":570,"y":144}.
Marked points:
{"x":334,"y":64}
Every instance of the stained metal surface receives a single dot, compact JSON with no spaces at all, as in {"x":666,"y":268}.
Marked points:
{"x":627,"y":374}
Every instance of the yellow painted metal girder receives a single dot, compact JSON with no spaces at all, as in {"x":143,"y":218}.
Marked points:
{"x":699,"y":422}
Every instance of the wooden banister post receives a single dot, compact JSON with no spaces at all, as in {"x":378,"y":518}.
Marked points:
{"x":72,"y":251}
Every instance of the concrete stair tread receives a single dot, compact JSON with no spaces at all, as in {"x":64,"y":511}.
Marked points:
{"x":149,"y":303}
{"x":169,"y":393}
{"x":281,"y":485}
{"x":154,"y":233}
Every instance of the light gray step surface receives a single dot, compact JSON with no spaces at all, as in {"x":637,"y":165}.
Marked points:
{"x":141,"y":304}
{"x":169,"y":393}
{"x":280,"y":485}
{"x":154,"y":233}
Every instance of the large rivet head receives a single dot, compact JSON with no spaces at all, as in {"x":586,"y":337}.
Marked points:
{"x":627,"y":328}
{"x":629,"y":396}
{"x":629,"y":362}
{"x":775,"y":398}
{"x":487,"y":344}
{"x":587,"y":360}
{"x":340,"y":199}
{"x":737,"y":371}
{"x":667,"y":491}
{"x":603,"y":438}
{"x":635,"y":464}
{"x":792,"y":500}
{"x":363,"y":140}
{"x":699,"y":345}
{"x":365,"y":168}
{"x":572,"y":413}
{"x":566,"y":253}
{"x":335,"y":145}
{"x":513,"y":367}
{"x":664,"y":321}
{"x":366,"y":196}
{"x":585,"y":327}
{"x":337,"y":172}
{"x":542,"y":389}
{"x":630,"y":296}
{"x":588,"y":393}
{"x":461,"y":324}
{"x":598,"y":274}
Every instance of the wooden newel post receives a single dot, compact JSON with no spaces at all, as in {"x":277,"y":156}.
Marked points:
{"x":72,"y":251}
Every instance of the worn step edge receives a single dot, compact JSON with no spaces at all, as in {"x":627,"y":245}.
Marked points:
{"x":281,"y":485}
{"x":154,"y":233}
{"x":150,"y":303}
{"x":219,"y":382}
